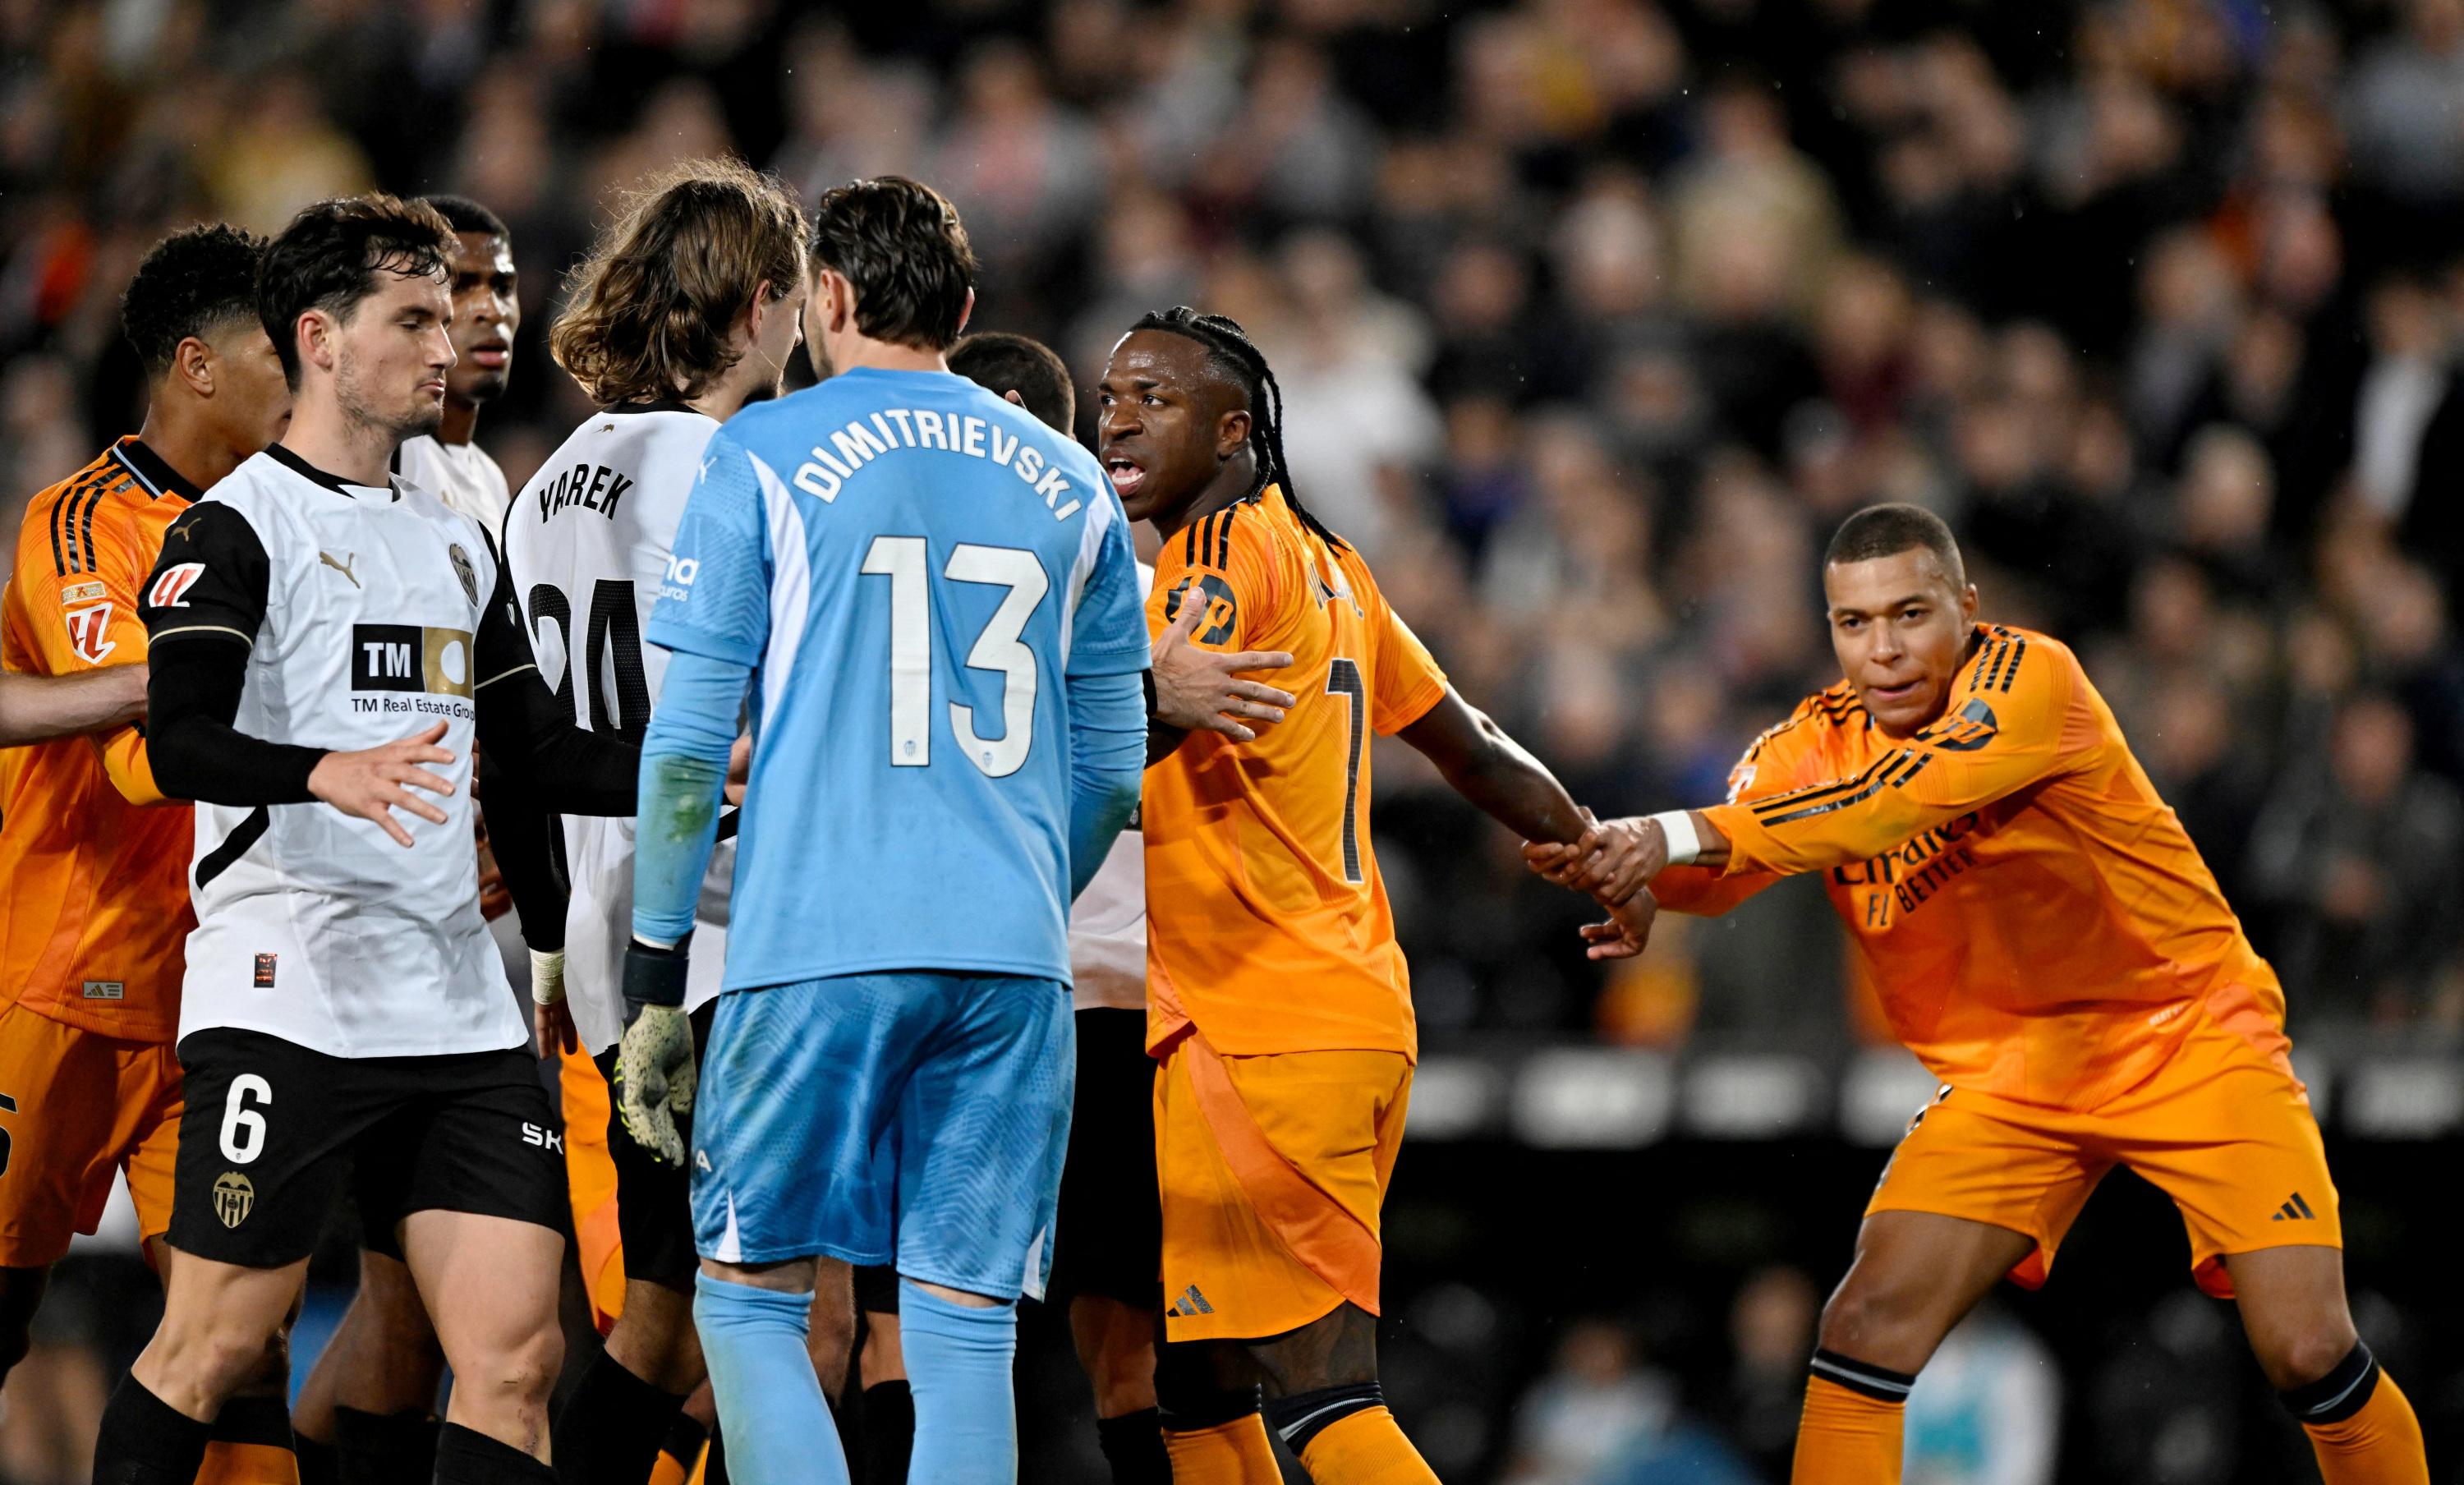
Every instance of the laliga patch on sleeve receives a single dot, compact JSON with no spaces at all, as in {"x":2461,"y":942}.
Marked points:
{"x":82,"y":593}
{"x":88,"y":632}
{"x":175,"y":581}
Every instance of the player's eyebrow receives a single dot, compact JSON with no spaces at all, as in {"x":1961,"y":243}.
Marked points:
{"x":1136,"y":384}
{"x":1886,"y":608}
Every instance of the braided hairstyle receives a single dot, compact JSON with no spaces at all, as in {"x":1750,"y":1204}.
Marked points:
{"x":1235,"y":353}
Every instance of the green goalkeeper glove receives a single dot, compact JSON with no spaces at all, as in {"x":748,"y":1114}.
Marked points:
{"x":655,"y":1078}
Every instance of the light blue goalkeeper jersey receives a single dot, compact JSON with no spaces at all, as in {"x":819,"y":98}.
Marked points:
{"x":917,"y":569}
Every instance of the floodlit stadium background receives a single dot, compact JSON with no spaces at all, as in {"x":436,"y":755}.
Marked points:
{"x":1592,"y":317}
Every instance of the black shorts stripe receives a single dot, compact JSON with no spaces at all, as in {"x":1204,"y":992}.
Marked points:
{"x":728,"y":825}
{"x":248,"y":832}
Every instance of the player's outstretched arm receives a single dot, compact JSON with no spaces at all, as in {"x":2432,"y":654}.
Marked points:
{"x":1495,"y":772}
{"x":39,"y":708}
{"x":1200,"y":690}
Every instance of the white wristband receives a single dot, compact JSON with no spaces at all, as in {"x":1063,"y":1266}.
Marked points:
{"x":1685,"y":842}
{"x":547,"y":976}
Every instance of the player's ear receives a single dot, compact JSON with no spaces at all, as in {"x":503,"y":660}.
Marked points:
{"x":1967,"y":602}
{"x":1012,"y":397}
{"x":193,"y":363}
{"x":1231,"y":433}
{"x":966,"y":312}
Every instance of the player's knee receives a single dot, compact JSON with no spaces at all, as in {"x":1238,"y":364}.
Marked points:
{"x":1873,"y":1322}
{"x":2297,"y":1359}
{"x":519,"y":1375}
{"x":219,"y":1355}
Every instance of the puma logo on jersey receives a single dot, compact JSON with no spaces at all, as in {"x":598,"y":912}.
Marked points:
{"x":169,"y":590}
{"x":344,"y":568}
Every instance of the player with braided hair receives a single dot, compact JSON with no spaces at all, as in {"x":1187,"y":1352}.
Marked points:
{"x":1278,"y":1002}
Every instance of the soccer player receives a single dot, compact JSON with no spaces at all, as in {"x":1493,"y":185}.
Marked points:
{"x":942,"y":600}
{"x":1105,"y":1264}
{"x":97,"y":902}
{"x":1278,"y":1001}
{"x":486,"y":310}
{"x":372,"y":1393}
{"x":343,"y":1014}
{"x":2047,"y":939}
{"x":685,"y":311}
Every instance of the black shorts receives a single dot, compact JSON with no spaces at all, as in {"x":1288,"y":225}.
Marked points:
{"x":273,"y":1131}
{"x":876,"y":1289}
{"x":1108,"y":1237}
{"x":654,"y":1202}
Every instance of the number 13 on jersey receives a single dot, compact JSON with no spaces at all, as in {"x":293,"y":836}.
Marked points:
{"x":904,"y":560}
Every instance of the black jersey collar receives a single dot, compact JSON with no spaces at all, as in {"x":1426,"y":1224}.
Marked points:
{"x":152,"y":471}
{"x":330,"y":482}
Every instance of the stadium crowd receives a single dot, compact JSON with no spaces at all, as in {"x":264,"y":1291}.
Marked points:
{"x":1594,"y":317}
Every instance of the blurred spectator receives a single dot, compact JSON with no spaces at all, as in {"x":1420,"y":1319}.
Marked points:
{"x":1770,"y":1334}
{"x":1986,"y":1409}
{"x":2356,"y":851}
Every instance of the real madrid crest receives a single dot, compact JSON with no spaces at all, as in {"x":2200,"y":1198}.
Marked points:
{"x":463,"y":569}
{"x":233,"y":1195}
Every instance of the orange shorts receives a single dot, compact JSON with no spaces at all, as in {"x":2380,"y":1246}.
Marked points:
{"x":590,"y":1179}
{"x":75,"y":1105}
{"x":2225,"y":1129}
{"x":1272,"y":1170}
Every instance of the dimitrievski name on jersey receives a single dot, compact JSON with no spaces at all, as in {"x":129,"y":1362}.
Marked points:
{"x":368,"y":613}
{"x":587,"y":546}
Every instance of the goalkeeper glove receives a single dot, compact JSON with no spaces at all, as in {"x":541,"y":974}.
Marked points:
{"x":654,"y":1063}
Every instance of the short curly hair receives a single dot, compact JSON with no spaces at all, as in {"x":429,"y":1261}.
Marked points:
{"x":900,"y":243}
{"x":329,"y":256}
{"x":191,"y":284}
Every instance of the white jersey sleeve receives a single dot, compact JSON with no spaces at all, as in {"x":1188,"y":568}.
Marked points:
{"x":587,"y":542}
{"x":460,"y":475}
{"x":1108,"y":923}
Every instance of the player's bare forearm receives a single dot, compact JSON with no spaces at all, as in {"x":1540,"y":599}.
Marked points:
{"x":1493,"y":771}
{"x":1624,"y":856}
{"x":39,"y":708}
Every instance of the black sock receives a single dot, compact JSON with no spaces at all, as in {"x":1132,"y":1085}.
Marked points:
{"x":889,"y":1434}
{"x":612,"y":1425}
{"x":1303,"y":1417}
{"x":714,"y":1469}
{"x":254,"y":1420}
{"x":1133,"y":1446}
{"x":317,"y":1463}
{"x":2337,"y":1395}
{"x":465,"y":1456}
{"x":383,"y":1448}
{"x":147,"y":1441}
{"x":683,"y":1444}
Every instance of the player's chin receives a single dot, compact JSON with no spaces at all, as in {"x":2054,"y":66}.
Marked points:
{"x":486,"y":387}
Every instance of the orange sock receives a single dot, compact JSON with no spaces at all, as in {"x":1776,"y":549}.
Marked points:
{"x":1366,"y":1447}
{"x":1228,"y":1453}
{"x":1847,"y":1437}
{"x":247,"y":1464}
{"x":2377,"y":1443}
{"x":252,"y":1445}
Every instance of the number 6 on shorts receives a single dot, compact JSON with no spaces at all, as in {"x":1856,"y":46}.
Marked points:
{"x":243,"y":1127}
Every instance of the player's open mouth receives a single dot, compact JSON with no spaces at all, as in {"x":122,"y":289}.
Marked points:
{"x":1899,"y":693}
{"x":1126,"y":477}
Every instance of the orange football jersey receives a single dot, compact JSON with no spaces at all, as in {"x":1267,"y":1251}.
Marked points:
{"x":97,"y":907}
{"x":1267,"y":923}
{"x":2036,"y":921}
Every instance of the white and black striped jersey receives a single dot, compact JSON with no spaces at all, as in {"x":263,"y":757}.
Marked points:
{"x":364,"y":611}
{"x":586,"y":545}
{"x":461,"y":475}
